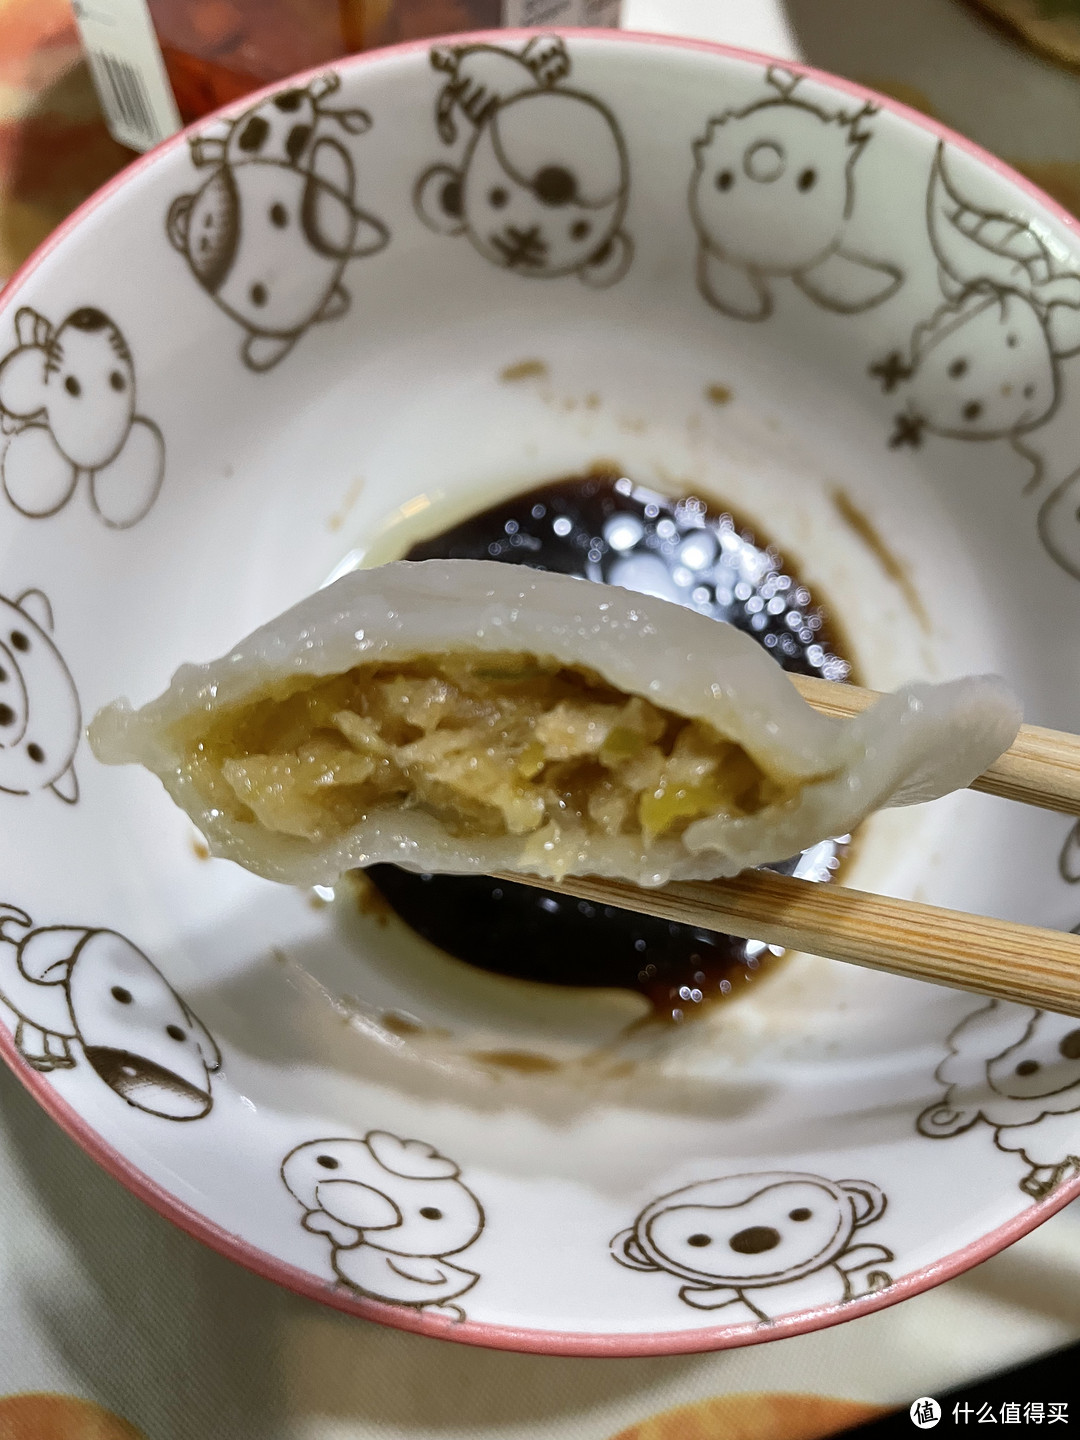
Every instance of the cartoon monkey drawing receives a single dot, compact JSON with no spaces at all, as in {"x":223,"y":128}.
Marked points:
{"x":1018,"y":1070}
{"x":70,"y":987}
{"x":770,"y":1243}
{"x":269,"y":233}
{"x":67,"y":401}
{"x":40,"y":717}
{"x":392,"y":1210}
{"x":542,"y":185}
{"x":771,"y":195}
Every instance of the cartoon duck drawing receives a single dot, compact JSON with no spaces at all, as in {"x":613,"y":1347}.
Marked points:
{"x":769,"y":1244}
{"x":40,"y":719}
{"x":76,"y":990}
{"x":67,"y":401}
{"x":1018,"y":1070}
{"x":542,"y":185}
{"x":269,"y":233}
{"x":392,"y":1210}
{"x":771,"y":196}
{"x":986,"y":364}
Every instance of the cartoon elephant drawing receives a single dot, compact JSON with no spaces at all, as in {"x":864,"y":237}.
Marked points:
{"x":40,"y":717}
{"x":67,"y":403}
{"x":1018,"y":1070}
{"x":76,"y":990}
{"x":270,"y":231}
{"x":771,"y":195}
{"x":542,"y":186}
{"x":769,"y":1243}
{"x":392,"y":1210}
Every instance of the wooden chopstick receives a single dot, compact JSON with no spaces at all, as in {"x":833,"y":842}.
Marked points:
{"x":1015,"y":962}
{"x":946,"y":947}
{"x":1041,"y":767}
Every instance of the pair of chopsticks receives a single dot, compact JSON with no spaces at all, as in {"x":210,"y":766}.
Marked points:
{"x":1015,"y":962}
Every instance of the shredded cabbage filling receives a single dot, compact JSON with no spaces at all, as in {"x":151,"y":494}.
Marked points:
{"x":493,"y":744}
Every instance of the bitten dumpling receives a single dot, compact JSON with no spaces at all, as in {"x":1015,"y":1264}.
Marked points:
{"x":466,"y":716}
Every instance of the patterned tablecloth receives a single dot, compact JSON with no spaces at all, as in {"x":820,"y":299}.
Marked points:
{"x":108,"y":1312}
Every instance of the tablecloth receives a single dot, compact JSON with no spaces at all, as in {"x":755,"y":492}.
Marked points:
{"x":114,"y":1325}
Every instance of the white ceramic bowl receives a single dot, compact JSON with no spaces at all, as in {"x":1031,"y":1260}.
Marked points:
{"x":286,"y":342}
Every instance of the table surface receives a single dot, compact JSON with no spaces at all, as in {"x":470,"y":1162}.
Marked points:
{"x":131,"y":1327}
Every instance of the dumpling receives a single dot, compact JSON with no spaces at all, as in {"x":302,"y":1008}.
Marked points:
{"x":466,"y":716}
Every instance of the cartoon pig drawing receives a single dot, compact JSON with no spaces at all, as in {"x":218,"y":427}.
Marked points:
{"x":772,"y":192}
{"x":40,"y":719}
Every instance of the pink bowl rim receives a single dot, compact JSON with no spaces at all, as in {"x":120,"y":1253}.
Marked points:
{"x":334,"y":1293}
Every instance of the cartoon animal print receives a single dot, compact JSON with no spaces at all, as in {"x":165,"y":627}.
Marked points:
{"x":392,"y":1210}
{"x":40,"y":719}
{"x":67,"y":403}
{"x":70,"y":987}
{"x":769,"y":1243}
{"x":1017,"y":1069}
{"x":772,"y":192}
{"x":986,"y":365}
{"x":542,"y":185}
{"x":269,"y":233}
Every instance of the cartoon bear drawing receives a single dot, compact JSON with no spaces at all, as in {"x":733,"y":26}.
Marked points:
{"x":40,"y":718}
{"x":542,"y":186}
{"x":986,"y":364}
{"x":67,"y":401}
{"x":771,"y":196}
{"x":269,"y":233}
{"x":769,"y":1244}
{"x":392,"y":1210}
{"x":1017,"y":1069}
{"x":69,"y":985}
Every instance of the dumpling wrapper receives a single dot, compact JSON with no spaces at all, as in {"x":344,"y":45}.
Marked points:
{"x":824,"y":774}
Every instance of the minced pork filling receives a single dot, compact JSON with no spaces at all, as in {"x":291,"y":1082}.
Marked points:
{"x":491,"y":745}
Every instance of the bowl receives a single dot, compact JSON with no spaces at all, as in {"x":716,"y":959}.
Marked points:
{"x":804,"y":334}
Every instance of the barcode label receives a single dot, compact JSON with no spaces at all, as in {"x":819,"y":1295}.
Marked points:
{"x":603,"y":14}
{"x":124,"y":97}
{"x":129,"y":73}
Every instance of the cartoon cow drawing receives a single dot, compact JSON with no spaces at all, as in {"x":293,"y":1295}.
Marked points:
{"x":1018,"y":1070}
{"x":772,"y":192}
{"x":269,"y":233}
{"x":67,"y":402}
{"x":542,"y":185}
{"x":392,"y":1210}
{"x":769,"y":1243}
{"x":986,"y":364}
{"x":40,"y":718}
{"x":76,"y":990}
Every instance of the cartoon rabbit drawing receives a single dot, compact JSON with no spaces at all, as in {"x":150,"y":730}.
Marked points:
{"x":67,"y":402}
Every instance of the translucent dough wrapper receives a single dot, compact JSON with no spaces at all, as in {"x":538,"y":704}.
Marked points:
{"x":636,"y":690}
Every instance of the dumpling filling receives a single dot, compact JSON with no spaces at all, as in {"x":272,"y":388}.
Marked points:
{"x":491,"y":744}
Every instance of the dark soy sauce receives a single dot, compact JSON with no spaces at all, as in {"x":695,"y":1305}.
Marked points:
{"x":605,"y":528}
